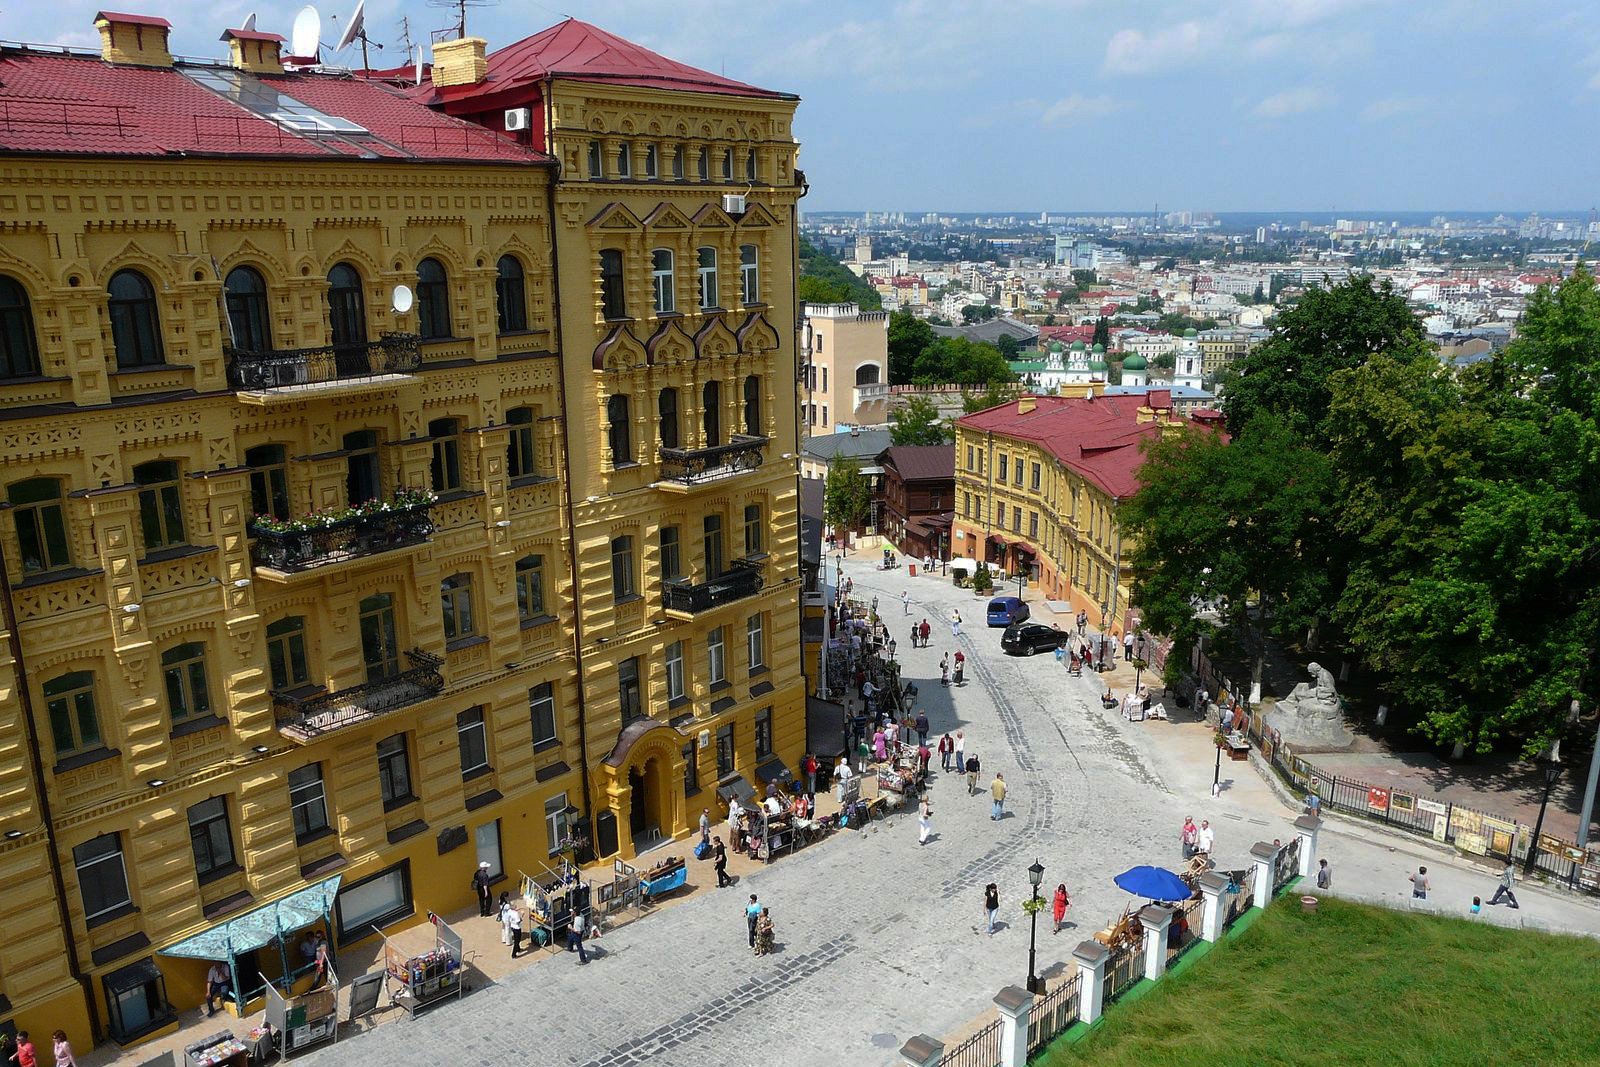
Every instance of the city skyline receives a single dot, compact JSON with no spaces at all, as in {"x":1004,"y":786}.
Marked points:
{"x":1243,"y":106}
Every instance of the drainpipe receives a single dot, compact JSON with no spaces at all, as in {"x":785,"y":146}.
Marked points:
{"x":25,"y":702}
{"x":566,"y":436}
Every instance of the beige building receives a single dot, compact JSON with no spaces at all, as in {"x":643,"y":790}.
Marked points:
{"x":847,"y":379}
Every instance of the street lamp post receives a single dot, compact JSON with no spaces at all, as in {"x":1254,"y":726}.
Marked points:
{"x":1035,"y":876}
{"x":1021,"y":581}
{"x":1552,"y":771}
{"x":1216,"y":777}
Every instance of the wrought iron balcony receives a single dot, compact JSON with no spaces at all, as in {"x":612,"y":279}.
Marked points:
{"x":304,"y":718}
{"x":365,"y":531}
{"x":697,"y":466}
{"x":301,"y":369}
{"x":743,"y":580}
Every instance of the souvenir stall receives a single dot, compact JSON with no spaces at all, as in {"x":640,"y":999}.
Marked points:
{"x":552,"y":904}
{"x":221,"y":1049}
{"x":622,"y":892}
{"x":418,"y":979}
{"x":667,"y":875}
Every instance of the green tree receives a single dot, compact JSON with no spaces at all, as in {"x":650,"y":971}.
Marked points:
{"x":1050,"y":320}
{"x":990,"y":396}
{"x":1260,"y":297}
{"x":961,"y":361}
{"x":846,"y":494}
{"x":1084,"y":279}
{"x":978,"y":313}
{"x":909,"y":338}
{"x":824,"y":280}
{"x":1102,"y":332}
{"x":917,"y":422}
{"x":1007,"y":346}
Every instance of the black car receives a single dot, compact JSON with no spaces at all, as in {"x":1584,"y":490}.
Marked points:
{"x":1026,"y":638}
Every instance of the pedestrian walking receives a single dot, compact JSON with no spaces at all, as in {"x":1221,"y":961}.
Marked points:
{"x":63,"y":1049}
{"x":808,"y":767}
{"x":1206,"y":838}
{"x":914,"y":631}
{"x":752,"y":912}
{"x":959,"y":757}
{"x":1127,"y":646}
{"x":972,"y":775}
{"x":947,"y":745}
{"x":1324,"y":875}
{"x":1059,"y":906}
{"x":481,"y":882}
{"x":991,"y":904}
{"x":763,"y":933}
{"x":960,"y":666}
{"x":505,"y":922}
{"x":922,"y":725}
{"x":944,"y":670}
{"x":997,"y":793}
{"x":905,"y":602}
{"x":24,"y":1056}
{"x":705,"y":827}
{"x":575,"y":933}
{"x":924,"y":754}
{"x":1083,"y":622}
{"x":955,"y":623}
{"x":879,"y":746}
{"x":1507,"y":878}
{"x":1420,"y":884}
{"x":925,"y":631}
{"x":925,"y":820}
{"x":719,"y":860}
{"x":515,"y":921}
{"x":1188,"y":836}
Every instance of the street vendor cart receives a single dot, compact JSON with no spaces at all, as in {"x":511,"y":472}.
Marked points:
{"x":419,"y":980}
{"x":664,"y":877}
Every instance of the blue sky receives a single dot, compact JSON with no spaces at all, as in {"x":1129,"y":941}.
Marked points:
{"x":1025,"y":105}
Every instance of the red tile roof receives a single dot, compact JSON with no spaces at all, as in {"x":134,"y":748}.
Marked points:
{"x":578,"y":50}
{"x":249,"y":35}
{"x":63,"y":104}
{"x":132,"y":20}
{"x":916,"y":463}
{"x":1100,"y":438}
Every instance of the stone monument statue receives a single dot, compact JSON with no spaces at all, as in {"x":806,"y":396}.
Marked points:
{"x":1312,"y":715}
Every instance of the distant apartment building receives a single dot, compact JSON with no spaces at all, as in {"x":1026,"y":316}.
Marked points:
{"x":847,"y":377}
{"x":863,"y":249}
{"x":1221,"y":348}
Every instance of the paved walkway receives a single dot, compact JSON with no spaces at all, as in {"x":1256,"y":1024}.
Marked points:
{"x":880,"y":938}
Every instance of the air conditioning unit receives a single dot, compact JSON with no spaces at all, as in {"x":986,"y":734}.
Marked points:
{"x":705,"y":738}
{"x":733,"y":203}
{"x":517,"y":119}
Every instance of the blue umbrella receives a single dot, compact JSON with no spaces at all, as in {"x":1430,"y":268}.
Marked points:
{"x":1153,"y":883}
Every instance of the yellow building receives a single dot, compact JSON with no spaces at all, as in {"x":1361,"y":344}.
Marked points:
{"x":1038,"y":483}
{"x":368,"y":520}
{"x":847,"y":369}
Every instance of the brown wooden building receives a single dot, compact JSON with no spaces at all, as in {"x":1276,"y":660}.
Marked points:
{"x":919,"y":488}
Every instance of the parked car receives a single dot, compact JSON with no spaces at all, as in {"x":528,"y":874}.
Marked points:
{"x":1026,"y":638}
{"x":1005,"y":610}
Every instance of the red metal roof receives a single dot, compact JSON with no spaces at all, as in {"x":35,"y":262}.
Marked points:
{"x":249,"y":35}
{"x":576,"y":49}
{"x":80,"y":105}
{"x":133,"y":20}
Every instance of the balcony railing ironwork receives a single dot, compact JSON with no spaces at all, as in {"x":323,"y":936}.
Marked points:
{"x":693,"y":466}
{"x":303,"y":718}
{"x":743,"y":580}
{"x":351,"y":538}
{"x":393,"y":353}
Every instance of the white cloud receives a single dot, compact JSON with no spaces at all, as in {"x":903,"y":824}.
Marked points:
{"x":1393,"y":107}
{"x":1136,"y":52}
{"x":1292,"y":102}
{"x":1077,"y":108}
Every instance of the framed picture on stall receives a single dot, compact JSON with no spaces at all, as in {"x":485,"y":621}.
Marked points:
{"x":608,"y":890}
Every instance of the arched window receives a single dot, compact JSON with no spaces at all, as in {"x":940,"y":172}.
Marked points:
{"x":752,"y":405}
{"x":661,"y":280}
{"x":867,"y":374}
{"x":433,"y":299}
{"x":135,"y":324}
{"x":612,"y":300}
{"x":708,"y":277}
{"x":749,"y":276}
{"x":519,"y":449}
{"x":711,"y":412}
{"x":347,"y":309}
{"x":19,"y":350}
{"x":247,"y":310}
{"x":619,"y":432}
{"x":510,"y":297}
{"x":667,"y":408}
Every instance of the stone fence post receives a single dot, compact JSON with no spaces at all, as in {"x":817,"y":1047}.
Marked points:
{"x":1212,"y":886}
{"x":921,"y":1051}
{"x":1156,"y":921}
{"x":1265,"y":856}
{"x":1016,"y":1005}
{"x":1305,"y":828}
{"x":1091,"y":958}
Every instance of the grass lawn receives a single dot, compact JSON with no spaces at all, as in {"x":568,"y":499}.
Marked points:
{"x":1353,"y":985}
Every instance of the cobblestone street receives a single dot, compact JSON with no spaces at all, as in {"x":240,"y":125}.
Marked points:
{"x":879,"y":939}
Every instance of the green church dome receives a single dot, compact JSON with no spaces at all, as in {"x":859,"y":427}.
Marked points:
{"x":1135,"y":362}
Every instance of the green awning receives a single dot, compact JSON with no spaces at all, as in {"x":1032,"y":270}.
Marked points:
{"x":262,"y":926}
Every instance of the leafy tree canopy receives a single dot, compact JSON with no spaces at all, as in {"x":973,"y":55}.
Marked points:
{"x":846,"y":495}
{"x":917,"y":422}
{"x":824,"y":280}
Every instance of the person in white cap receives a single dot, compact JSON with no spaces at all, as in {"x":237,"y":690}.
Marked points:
{"x":481,"y":882}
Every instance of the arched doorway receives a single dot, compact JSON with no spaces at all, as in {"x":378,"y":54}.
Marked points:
{"x":639,"y":790}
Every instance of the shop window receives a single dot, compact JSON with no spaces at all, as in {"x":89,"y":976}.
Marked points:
{"x":662,"y":285}
{"x":378,"y":901}
{"x":675,"y":677}
{"x":102,"y":876}
{"x":628,"y":690}
{"x":269,"y":480}
{"x":446,"y":463}
{"x":519,"y":446}
{"x":135,"y":322}
{"x":612,"y":302}
{"x":707,"y":273}
{"x":472,"y":737}
{"x":433,"y":300}
{"x":623,"y":583}
{"x":41,"y":525}
{"x":763,"y":734}
{"x":711,"y":412}
{"x":286,"y":653}
{"x":19,"y":347}
{"x":308,"y":802}
{"x":183,"y":669}
{"x":530,"y":588}
{"x":752,"y":405}
{"x":160,"y":504}
{"x":619,"y":431}
{"x":347,"y":308}
{"x":246,"y":297}
{"x":486,"y":842}
{"x":455,"y":602}
{"x":394,"y":771}
{"x":753,"y":523}
{"x":716,"y":658}
{"x":380,"y":645}
{"x":70,"y":706}
{"x":724,"y":750}
{"x":510,"y":295}
{"x":555,"y":823}
{"x":667,"y":413}
{"x":211,"y":838}
{"x":671,"y":554}
{"x":755,"y":642}
{"x":691,"y":770}
{"x":362,"y":480}
{"x":542,"y":711}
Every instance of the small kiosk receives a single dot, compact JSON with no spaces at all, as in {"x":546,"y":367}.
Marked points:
{"x":298,"y":1022}
{"x":419,"y":980}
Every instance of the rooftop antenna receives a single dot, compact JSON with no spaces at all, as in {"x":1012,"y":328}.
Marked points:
{"x":356,"y":30}
{"x":305,"y":40}
{"x":460,"y":8}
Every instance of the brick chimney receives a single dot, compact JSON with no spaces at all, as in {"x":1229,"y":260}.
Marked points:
{"x":1026,"y":403}
{"x":134,"y":40}
{"x":460,"y":62}
{"x":252,"y":50}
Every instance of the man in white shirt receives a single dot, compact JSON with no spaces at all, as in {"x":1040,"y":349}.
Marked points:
{"x":575,"y":934}
{"x":218,"y":979}
{"x":905,"y":602}
{"x":1206,"y":838}
{"x":841,"y":775}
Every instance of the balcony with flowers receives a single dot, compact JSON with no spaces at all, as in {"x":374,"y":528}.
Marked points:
{"x":282,"y":549}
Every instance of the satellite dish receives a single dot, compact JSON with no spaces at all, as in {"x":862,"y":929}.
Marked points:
{"x":249,"y":22}
{"x":306,"y":37}
{"x":352,"y":29}
{"x":419,"y":64}
{"x":403,"y":299}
